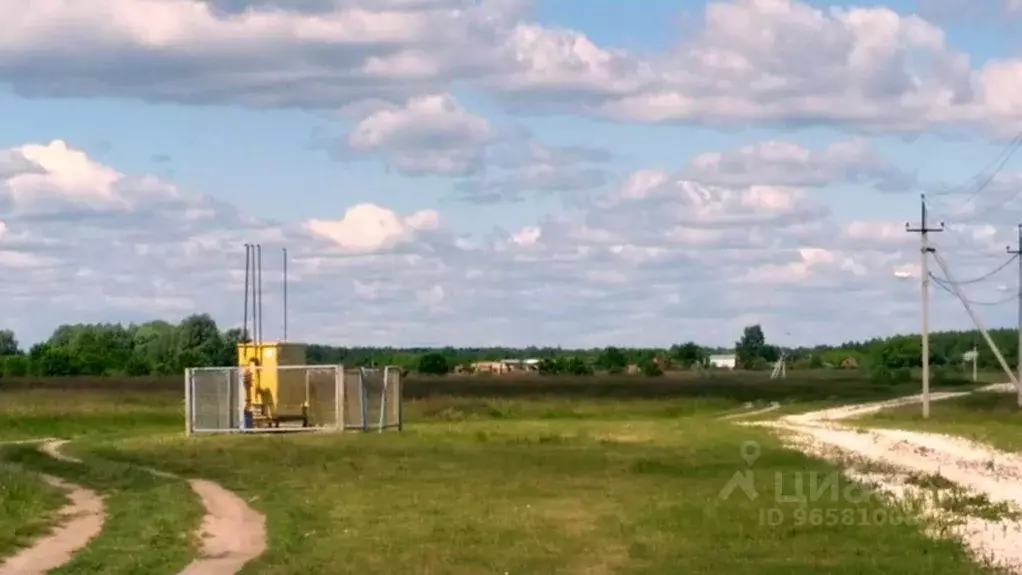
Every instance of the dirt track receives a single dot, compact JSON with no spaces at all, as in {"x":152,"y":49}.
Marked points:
{"x":976,"y":468}
{"x":82,"y":519}
{"x":232,"y":533}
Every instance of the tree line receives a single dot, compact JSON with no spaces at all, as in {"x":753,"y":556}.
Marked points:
{"x":164,"y":348}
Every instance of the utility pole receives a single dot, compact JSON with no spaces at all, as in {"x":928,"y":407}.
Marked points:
{"x":925,"y":250}
{"x":1018,"y":255}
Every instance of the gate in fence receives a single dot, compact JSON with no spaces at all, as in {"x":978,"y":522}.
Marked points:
{"x":307,"y":397}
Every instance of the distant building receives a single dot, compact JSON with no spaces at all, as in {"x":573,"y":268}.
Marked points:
{"x":503,"y":366}
{"x":723,"y":361}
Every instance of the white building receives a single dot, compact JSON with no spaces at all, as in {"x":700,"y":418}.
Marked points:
{"x":723,"y":361}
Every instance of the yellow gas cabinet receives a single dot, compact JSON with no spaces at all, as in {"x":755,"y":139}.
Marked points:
{"x":273,"y":393}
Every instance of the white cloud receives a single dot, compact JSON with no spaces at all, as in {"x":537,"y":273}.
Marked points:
{"x":435,"y":135}
{"x":783,"y":61}
{"x":657,"y":259}
{"x":369,"y":228}
{"x":429,"y":135}
{"x":255,"y":53}
{"x":776,"y":162}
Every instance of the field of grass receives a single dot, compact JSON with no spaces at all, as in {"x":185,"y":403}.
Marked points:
{"x":991,"y":418}
{"x":27,"y":507}
{"x":494,"y":477}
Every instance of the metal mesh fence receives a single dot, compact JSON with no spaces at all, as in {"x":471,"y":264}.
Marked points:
{"x":213,"y":399}
{"x":292,"y":397}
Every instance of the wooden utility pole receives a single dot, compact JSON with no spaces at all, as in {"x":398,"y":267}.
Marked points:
{"x":924,"y":279}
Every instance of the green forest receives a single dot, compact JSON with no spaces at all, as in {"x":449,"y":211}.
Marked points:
{"x":164,"y":348}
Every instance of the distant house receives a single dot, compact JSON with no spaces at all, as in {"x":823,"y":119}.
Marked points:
{"x":723,"y":361}
{"x":504,"y":366}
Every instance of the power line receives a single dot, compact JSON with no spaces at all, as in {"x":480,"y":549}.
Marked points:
{"x":981,"y":179}
{"x":944,"y":284}
{"x":1008,"y":150}
{"x":990,"y":274}
{"x":979,"y":182}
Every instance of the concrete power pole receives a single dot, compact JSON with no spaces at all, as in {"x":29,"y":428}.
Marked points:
{"x":924,"y":250}
{"x":1018,"y":255}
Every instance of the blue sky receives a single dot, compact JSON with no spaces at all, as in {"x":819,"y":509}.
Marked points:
{"x":553,"y":164}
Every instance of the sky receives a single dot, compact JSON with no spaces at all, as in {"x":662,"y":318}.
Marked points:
{"x":510,"y":172}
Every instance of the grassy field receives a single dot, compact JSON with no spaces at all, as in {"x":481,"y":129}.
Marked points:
{"x":499,"y":477}
{"x":992,"y":418}
{"x":27,"y":507}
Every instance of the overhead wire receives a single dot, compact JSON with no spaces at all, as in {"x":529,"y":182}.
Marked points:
{"x":945,"y":285}
{"x":989,"y":274}
{"x":983,"y":181}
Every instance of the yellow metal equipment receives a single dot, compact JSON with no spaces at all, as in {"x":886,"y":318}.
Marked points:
{"x":273,"y":395}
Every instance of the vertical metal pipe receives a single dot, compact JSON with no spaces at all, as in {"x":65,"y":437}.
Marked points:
{"x":248,"y":261}
{"x":259,"y":289}
{"x":284,"y":251}
{"x":251,"y":257}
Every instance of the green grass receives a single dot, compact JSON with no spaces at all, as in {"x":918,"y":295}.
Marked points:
{"x":543,"y":496}
{"x":92,"y":414}
{"x":540,"y":483}
{"x":150,"y":520}
{"x":28,"y":507}
{"x":986,"y":417}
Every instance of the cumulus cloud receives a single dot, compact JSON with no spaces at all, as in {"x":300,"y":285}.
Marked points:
{"x":657,"y":259}
{"x":518,"y":163}
{"x":370,"y":228}
{"x":435,"y":135}
{"x":311,"y":54}
{"x":781,"y":163}
{"x":429,"y":135}
{"x":781,"y":61}
{"x":778,"y":61}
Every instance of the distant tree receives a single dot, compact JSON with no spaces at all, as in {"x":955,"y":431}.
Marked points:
{"x":650,"y":368}
{"x":577,"y":366}
{"x":815,"y":361}
{"x":15,"y":365}
{"x":199,"y":343}
{"x":434,"y":364}
{"x":688,"y":354}
{"x":612,"y":359}
{"x":749,"y":349}
{"x":8,"y":343}
{"x":770,"y":353}
{"x":550,"y":366}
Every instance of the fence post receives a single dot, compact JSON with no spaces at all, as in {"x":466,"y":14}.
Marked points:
{"x":339,"y":391}
{"x":188,"y":402}
{"x":399,"y":397}
{"x":362,"y":398}
{"x":383,"y":399}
